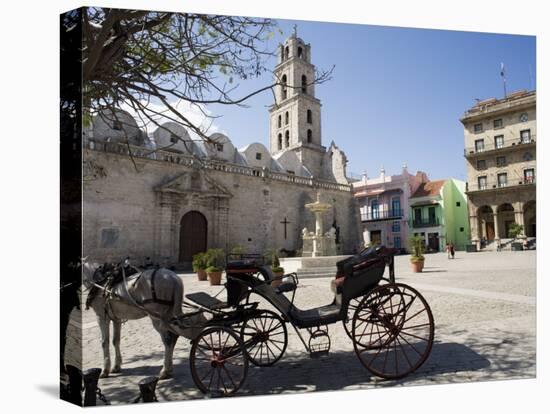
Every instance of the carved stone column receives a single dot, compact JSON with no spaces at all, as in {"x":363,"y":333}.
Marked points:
{"x":165,"y":228}
{"x":495,"y":220}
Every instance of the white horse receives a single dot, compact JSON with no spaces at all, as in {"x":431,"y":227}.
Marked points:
{"x":157,"y":293}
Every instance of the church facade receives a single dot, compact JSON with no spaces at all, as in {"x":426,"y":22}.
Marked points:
{"x":168,"y":197}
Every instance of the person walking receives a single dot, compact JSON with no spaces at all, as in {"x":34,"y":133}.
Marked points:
{"x":452,"y":250}
{"x":448,"y":250}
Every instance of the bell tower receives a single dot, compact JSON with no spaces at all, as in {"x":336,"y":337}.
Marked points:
{"x":295,"y":117}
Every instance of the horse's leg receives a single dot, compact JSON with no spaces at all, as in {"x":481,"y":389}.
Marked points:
{"x":103,"y":322}
{"x":117,"y":327}
{"x":169,"y":340}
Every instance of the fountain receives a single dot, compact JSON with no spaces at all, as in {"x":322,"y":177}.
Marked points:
{"x":317,"y":243}
{"x":319,"y":249}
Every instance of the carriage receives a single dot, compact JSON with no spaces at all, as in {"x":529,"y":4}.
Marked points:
{"x":389,"y":324}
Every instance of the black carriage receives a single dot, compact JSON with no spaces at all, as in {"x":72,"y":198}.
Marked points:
{"x":390,"y":324}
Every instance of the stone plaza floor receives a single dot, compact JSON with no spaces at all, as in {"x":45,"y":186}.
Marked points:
{"x":485,"y":329}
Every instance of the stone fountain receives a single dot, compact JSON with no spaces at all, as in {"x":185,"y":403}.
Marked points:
{"x":319,"y":252}
{"x":317,"y":243}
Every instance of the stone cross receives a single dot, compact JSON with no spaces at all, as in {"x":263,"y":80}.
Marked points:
{"x":285,"y":222}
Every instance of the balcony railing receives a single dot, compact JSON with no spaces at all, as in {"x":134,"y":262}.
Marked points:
{"x":382,"y":215}
{"x":491,"y":145}
{"x":429,"y":222}
{"x":495,"y":185}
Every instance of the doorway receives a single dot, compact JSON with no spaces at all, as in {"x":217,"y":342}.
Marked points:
{"x":193,"y":232}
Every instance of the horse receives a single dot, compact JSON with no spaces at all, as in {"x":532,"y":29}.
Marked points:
{"x":157,"y":293}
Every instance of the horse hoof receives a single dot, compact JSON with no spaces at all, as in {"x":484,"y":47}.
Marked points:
{"x":104,"y":374}
{"x":116,"y":370}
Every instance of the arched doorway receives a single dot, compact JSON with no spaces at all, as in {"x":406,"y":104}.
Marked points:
{"x":530,"y":218}
{"x":486,"y":223}
{"x":193,"y":231}
{"x":505,"y":217}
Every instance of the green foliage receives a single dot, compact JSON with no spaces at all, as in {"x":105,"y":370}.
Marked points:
{"x":238,"y":249}
{"x":215,"y":260}
{"x":199,"y":262}
{"x":417,"y":246}
{"x":515,"y":230}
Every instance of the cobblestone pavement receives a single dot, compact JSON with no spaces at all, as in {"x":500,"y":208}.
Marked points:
{"x":483,"y":306}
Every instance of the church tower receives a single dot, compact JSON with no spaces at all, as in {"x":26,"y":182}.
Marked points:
{"x":295,"y":117}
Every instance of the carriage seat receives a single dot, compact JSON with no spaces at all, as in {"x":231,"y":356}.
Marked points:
{"x":310,"y":318}
{"x":205,"y":300}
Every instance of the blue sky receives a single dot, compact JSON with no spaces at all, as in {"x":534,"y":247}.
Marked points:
{"x":396,"y":94}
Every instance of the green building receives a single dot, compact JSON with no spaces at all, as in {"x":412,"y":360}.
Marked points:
{"x":439,"y":214}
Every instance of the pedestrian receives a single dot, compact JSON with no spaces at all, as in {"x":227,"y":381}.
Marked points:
{"x":448,"y":250}
{"x":452,"y":250}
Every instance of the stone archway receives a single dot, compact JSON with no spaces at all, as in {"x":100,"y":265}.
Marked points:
{"x":193,"y":235}
{"x":505,"y":217}
{"x":486,"y":223}
{"x":530,"y":218}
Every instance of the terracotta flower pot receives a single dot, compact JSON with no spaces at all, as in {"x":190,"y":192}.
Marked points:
{"x":277,"y":282}
{"x":215,"y":278}
{"x":201,"y":274}
{"x":417,"y":266}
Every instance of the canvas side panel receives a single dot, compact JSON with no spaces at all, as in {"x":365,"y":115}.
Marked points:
{"x":71,"y":205}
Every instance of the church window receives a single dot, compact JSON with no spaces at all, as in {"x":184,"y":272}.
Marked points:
{"x":309,"y":116}
{"x":117,"y":125}
{"x":300,"y":52}
{"x":283,"y":86}
{"x":173,"y":138}
{"x":219,"y":147}
{"x":258,"y":155}
{"x":280,"y":142}
{"x":304,"y":84}
{"x":286,"y":118}
{"x":286,"y":52}
{"x":287,"y":139}
{"x":309,"y":135}
{"x":279,"y":122}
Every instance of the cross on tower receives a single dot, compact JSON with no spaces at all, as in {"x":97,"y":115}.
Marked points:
{"x":285,"y":222}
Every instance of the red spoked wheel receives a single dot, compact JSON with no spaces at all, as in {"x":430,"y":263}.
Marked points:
{"x":393,"y":331}
{"x":219,"y":364}
{"x":265,"y":338}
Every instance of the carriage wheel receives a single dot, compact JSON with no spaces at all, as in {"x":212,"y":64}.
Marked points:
{"x":218,"y":362}
{"x":265,"y":338}
{"x":369,"y":335}
{"x":352,"y":307}
{"x":393,"y":331}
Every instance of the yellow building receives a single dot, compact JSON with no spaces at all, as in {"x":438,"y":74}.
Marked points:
{"x":500,"y":151}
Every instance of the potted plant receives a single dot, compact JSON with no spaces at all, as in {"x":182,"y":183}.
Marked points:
{"x":514,"y":231}
{"x":214,"y":265}
{"x":417,"y":253}
{"x":276,"y":269}
{"x":199,"y":265}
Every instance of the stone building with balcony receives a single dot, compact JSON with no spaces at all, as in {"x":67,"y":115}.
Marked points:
{"x":384,"y":206}
{"x":500,"y":151}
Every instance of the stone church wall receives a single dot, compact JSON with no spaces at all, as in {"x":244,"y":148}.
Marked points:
{"x":126,"y":214}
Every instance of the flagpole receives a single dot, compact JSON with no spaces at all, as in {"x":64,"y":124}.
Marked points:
{"x":503,"y":75}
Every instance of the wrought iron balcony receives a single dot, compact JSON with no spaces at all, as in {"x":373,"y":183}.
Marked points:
{"x":490,"y":145}
{"x":377,"y":215}
{"x":429,"y":222}
{"x":496,"y":185}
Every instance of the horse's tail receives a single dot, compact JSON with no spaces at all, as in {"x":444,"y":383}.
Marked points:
{"x":177,"y":298}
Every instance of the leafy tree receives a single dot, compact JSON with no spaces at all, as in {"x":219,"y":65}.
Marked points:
{"x":515,"y":230}
{"x":134,"y":57}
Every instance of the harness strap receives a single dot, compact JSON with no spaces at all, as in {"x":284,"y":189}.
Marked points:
{"x":154,"y":298}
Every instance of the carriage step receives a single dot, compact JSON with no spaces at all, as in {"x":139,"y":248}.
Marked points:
{"x":318,"y":354}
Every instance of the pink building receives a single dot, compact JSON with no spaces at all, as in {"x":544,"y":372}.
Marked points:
{"x":384,"y":206}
